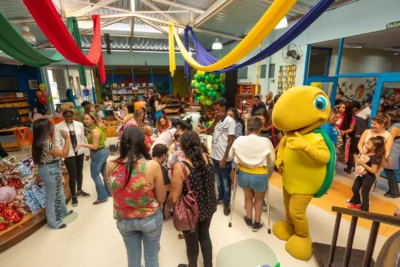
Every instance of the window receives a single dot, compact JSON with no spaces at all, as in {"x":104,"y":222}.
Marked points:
{"x":242,"y":73}
{"x":319,"y":61}
{"x":271,"y":73}
{"x":263,"y":72}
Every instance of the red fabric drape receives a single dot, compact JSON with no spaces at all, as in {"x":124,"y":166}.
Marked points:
{"x":49,"y":21}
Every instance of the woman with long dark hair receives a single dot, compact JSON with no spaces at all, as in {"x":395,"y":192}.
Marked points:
{"x":97,"y":144}
{"x":201,"y":175}
{"x":137,"y":186}
{"x":108,"y":105}
{"x":158,"y":107}
{"x":267,"y":128}
{"x":240,"y":125}
{"x":46,"y":155}
{"x":74,"y":160}
{"x":345,"y":124}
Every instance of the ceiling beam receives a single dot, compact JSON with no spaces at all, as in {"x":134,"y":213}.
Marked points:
{"x":158,"y":28}
{"x":170,"y":3}
{"x":62,"y":9}
{"x":132,"y":32}
{"x":211,"y":11}
{"x":296,"y":8}
{"x":136,"y":35}
{"x":47,"y":43}
{"x":91,"y":7}
{"x":100,"y":6}
{"x":156,"y":8}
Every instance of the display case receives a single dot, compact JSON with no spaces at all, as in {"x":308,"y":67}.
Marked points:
{"x":243,"y":103}
{"x":246,"y":89}
{"x":16,"y":100}
{"x":173,"y":104}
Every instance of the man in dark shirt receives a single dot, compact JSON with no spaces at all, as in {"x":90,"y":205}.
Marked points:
{"x":258,"y":104}
{"x":153,"y":109}
{"x":360,"y":126}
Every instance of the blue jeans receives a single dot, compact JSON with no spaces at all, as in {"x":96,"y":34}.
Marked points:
{"x":148,"y":230}
{"x":223,"y":177}
{"x":55,"y":206}
{"x":257,"y":182}
{"x":97,"y":166}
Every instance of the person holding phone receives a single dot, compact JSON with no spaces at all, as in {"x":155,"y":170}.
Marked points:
{"x":46,"y":155}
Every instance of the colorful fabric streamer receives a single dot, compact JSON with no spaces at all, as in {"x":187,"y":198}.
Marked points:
{"x":205,"y":58}
{"x":13,"y":44}
{"x":77,"y":38}
{"x":49,"y":21}
{"x":260,"y":31}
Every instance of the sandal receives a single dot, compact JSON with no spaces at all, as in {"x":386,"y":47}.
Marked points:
{"x":354,"y":206}
{"x":97,"y":202}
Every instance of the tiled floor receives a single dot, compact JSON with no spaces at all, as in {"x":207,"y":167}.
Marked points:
{"x":93,"y":240}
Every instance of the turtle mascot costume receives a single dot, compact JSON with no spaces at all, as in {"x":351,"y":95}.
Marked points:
{"x":306,"y":160}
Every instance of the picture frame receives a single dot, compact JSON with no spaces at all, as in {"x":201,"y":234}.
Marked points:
{"x":33,"y":84}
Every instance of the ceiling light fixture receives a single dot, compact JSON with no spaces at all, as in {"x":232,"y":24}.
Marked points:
{"x":27,"y":34}
{"x":282,"y":24}
{"x":190,"y":53}
{"x":393,"y":48}
{"x":217,"y":44}
{"x":355,"y":46}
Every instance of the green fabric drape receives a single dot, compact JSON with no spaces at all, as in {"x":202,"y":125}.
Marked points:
{"x":13,"y":44}
{"x":77,"y":38}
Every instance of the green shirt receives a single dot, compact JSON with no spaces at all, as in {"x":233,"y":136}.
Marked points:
{"x":102,"y":141}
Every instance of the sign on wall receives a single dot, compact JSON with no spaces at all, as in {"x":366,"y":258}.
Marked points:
{"x":287,"y":78}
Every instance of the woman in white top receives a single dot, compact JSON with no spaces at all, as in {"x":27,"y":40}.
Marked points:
{"x":255,"y":165}
{"x":74,"y":161}
{"x":379,"y":125}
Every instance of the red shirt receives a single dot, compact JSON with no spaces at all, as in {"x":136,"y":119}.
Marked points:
{"x":147,"y":140}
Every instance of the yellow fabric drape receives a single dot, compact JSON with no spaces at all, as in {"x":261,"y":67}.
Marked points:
{"x":171,"y":43}
{"x":261,"y":30}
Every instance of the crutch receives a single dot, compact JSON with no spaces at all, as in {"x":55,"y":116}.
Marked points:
{"x":234,"y":196}
{"x":268,"y":214}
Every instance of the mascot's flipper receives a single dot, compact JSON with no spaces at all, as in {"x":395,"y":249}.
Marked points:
{"x":299,"y":247}
{"x":283,"y":230}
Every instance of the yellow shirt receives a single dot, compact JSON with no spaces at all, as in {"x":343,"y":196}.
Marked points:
{"x":303,"y":171}
{"x":258,"y":170}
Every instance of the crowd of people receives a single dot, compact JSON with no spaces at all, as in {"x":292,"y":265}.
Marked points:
{"x":149,"y":178}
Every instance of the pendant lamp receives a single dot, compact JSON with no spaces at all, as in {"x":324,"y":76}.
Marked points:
{"x":282,"y":24}
{"x":217,"y":44}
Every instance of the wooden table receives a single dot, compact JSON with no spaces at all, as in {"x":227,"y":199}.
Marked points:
{"x":12,"y":146}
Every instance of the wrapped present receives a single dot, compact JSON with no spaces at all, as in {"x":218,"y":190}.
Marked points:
{"x":30,"y":198}
{"x":40,"y":193}
{"x":12,"y":215}
{"x":3,"y":226}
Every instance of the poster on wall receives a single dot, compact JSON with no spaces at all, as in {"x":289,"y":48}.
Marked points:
{"x":287,"y":78}
{"x":357,"y":89}
{"x":33,"y":84}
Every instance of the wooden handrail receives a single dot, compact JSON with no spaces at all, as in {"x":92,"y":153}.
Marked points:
{"x":382,"y":218}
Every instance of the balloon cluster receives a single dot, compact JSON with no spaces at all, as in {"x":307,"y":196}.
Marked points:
{"x":43,"y":94}
{"x":208,"y":87}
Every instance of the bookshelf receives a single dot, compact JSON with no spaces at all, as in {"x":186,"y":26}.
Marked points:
{"x":127,"y":93}
{"x":16,"y":100}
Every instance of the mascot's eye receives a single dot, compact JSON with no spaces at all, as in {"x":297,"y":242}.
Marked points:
{"x":321,"y":103}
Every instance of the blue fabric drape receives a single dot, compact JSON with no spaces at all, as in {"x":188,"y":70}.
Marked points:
{"x":205,"y":58}
{"x":187,"y":67}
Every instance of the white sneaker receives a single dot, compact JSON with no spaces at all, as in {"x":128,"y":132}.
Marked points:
{"x":348,"y":200}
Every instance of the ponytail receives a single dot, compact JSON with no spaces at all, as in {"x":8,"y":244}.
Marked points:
{"x":191,"y":146}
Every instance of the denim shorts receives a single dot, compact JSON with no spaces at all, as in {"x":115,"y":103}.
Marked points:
{"x":257,"y":182}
